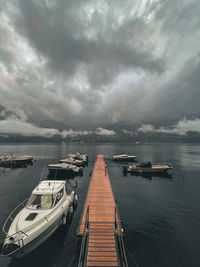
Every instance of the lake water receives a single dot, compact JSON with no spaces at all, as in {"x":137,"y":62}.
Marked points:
{"x":161,"y":216}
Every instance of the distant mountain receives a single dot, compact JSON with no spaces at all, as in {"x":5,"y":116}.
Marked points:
{"x":190,"y":137}
{"x":125,"y":132}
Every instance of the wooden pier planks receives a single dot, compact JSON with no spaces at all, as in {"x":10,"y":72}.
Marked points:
{"x":101,"y":202}
{"x":101,"y":247}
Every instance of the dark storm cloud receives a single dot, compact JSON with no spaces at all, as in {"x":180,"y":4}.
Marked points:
{"x":87,"y":64}
{"x":179,"y":97}
{"x":60,"y":34}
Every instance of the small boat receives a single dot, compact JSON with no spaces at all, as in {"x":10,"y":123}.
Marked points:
{"x":79,"y":156}
{"x":148,"y":167}
{"x":124,"y":158}
{"x":47,"y":208}
{"x":64,"y":167}
{"x":73,"y":161}
{"x":12,"y":161}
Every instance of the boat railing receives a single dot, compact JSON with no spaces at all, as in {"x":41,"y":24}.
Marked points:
{"x":84,"y":242}
{"x":12,"y":216}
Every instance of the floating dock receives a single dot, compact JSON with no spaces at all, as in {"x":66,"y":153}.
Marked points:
{"x":100,"y":227}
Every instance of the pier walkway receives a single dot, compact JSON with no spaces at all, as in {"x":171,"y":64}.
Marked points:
{"x":102,"y":241}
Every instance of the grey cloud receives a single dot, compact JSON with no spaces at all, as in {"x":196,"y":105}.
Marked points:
{"x":6,"y":48}
{"x":60,"y":35}
{"x":15,"y":126}
{"x":88,"y":64}
{"x":179,"y":96}
{"x":102,"y":131}
{"x":181,"y":128}
{"x":179,"y":16}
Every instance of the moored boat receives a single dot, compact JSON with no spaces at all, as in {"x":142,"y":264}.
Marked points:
{"x":73,"y":161}
{"x":79,"y":156}
{"x":47,"y":208}
{"x":124,"y":158}
{"x":15,"y":160}
{"x":148,"y":167}
{"x":64,"y":168}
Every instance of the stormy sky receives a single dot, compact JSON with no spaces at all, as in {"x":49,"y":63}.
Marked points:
{"x":68,"y":66}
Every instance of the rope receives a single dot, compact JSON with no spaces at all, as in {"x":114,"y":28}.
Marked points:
{"x":71,"y":261}
{"x":132,"y":257}
{"x":41,"y":175}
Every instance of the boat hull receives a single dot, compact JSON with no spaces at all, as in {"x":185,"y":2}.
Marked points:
{"x":124,"y":158}
{"x":63,"y":173}
{"x":148,"y":170}
{"x":15,"y":163}
{"x":140,"y":170}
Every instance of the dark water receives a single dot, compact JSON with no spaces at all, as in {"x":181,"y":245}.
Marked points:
{"x":161,"y":216}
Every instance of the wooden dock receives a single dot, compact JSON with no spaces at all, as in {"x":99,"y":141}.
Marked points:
{"x":100,"y":214}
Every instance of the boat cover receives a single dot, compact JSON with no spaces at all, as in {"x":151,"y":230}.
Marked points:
{"x":146,"y":164}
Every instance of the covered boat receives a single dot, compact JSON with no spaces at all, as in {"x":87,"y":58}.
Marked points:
{"x":148,"y":167}
{"x":124,"y":157}
{"x":47,"y":208}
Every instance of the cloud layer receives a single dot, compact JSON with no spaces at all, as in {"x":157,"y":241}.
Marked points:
{"x":181,"y":128}
{"x":23,"y":128}
{"x":83,"y":65}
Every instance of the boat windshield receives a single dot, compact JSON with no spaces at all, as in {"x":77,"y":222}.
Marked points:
{"x":41,"y":201}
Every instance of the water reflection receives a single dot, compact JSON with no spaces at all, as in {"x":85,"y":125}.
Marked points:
{"x":149,"y":175}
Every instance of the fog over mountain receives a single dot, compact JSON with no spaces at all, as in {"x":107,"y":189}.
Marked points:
{"x":103,"y":68}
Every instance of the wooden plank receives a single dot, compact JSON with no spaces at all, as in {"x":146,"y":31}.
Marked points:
{"x":101,"y":249}
{"x":102,"y":253}
{"x":100,"y":258}
{"x":101,"y":264}
{"x":102,"y":245}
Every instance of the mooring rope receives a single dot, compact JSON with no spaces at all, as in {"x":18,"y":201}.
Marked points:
{"x":131,"y":256}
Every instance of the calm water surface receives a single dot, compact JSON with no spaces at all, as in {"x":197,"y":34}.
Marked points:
{"x":161,"y":216}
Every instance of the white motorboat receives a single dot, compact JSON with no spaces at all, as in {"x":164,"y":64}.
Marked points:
{"x":64,"y":167}
{"x":47,"y":208}
{"x":124,"y":157}
{"x":73,"y":161}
